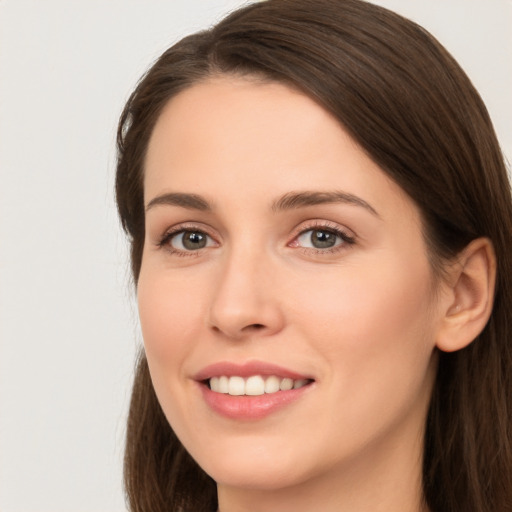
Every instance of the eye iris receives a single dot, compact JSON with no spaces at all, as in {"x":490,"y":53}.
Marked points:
{"x":323,"y":239}
{"x":193,"y":240}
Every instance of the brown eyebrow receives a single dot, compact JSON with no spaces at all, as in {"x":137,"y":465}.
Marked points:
{"x":289,"y":201}
{"x":188,"y":201}
{"x":294,"y":200}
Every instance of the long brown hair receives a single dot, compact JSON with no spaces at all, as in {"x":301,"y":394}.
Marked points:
{"x":406,"y":101}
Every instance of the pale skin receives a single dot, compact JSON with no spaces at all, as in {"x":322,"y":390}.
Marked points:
{"x":363,"y":317}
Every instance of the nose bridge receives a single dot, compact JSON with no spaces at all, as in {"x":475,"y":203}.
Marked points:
{"x":243,"y":301}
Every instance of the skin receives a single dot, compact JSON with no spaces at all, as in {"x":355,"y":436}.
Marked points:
{"x":361,"y":318}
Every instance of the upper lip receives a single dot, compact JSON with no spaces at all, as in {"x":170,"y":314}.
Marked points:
{"x":230,"y":369}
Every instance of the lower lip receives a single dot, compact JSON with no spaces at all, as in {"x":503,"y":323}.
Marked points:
{"x":250,"y":407}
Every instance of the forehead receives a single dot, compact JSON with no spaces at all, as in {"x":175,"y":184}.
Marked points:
{"x":241,"y":136}
{"x":231,"y":116}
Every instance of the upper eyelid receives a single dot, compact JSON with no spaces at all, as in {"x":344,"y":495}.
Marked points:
{"x":323,"y":224}
{"x":301,"y":228}
{"x":168,"y":234}
{"x":187,"y":226}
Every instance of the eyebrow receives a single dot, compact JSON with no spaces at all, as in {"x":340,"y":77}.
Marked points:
{"x":188,"y":201}
{"x":294,"y":200}
{"x":290,"y":201}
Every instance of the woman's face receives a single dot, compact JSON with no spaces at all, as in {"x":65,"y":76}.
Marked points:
{"x":278,"y":255}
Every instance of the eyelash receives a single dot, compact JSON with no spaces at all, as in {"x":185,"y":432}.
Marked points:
{"x":164,"y":242}
{"x":346,"y":239}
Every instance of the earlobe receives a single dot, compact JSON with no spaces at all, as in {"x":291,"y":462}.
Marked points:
{"x":471,"y":282}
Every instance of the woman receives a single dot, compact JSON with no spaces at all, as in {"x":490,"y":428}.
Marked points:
{"x":320,"y":219}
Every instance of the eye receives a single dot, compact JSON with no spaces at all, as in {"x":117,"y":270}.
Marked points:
{"x":188,"y":240}
{"x":322,"y":238}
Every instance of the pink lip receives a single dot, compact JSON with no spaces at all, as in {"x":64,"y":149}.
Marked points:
{"x":248,"y":408}
{"x":246,"y":370}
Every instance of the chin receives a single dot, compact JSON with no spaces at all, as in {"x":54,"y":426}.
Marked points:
{"x":253,"y":466}
{"x":252,"y":476}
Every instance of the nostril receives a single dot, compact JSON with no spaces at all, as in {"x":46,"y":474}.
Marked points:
{"x":248,"y":329}
{"x":255,"y":327}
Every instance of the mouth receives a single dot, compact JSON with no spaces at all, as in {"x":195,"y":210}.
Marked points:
{"x":254,"y":385}
{"x":251,"y":391}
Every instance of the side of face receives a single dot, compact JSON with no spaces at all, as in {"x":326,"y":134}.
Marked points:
{"x":272,"y":239}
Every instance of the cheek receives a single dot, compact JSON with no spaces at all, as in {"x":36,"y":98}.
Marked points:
{"x":170,"y":320}
{"x":373,"y":317}
{"x":374,"y":336}
{"x":394,"y":288}
{"x":169,"y":312}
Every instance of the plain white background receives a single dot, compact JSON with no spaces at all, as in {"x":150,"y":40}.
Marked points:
{"x":68,"y":327}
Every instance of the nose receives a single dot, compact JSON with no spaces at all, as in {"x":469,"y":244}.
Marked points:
{"x":246,"y":300}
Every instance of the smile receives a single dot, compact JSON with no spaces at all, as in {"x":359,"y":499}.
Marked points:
{"x":254,"y":385}
{"x":252,"y":390}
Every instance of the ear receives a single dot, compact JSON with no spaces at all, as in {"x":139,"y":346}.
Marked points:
{"x":468,"y":304}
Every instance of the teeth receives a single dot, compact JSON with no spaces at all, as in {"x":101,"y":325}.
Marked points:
{"x":286,"y":385}
{"x":236,"y":386}
{"x":223,"y":384}
{"x":299,"y":383}
{"x":255,"y":385}
{"x":214,"y":383}
{"x":272,"y":384}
